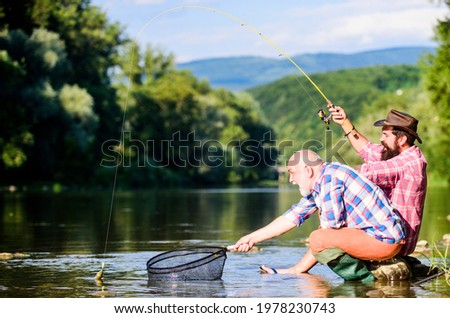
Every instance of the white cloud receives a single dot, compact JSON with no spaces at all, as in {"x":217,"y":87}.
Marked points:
{"x":350,"y":26}
{"x":296,"y":26}
{"x":149,"y":2}
{"x":412,"y":25}
{"x":157,"y":2}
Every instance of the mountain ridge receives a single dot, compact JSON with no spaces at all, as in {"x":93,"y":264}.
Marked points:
{"x":244,"y":72}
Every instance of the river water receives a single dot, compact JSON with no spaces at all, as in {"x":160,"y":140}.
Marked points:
{"x":66,"y":238}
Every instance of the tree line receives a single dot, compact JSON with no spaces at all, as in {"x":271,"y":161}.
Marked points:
{"x":80,"y":99}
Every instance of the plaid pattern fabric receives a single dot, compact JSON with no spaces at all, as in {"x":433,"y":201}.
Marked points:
{"x":348,"y":199}
{"x":404,"y":180}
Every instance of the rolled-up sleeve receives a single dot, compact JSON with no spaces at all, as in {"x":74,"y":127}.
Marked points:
{"x":301,"y":211}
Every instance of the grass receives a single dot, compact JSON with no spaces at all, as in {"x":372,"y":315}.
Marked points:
{"x":439,"y":261}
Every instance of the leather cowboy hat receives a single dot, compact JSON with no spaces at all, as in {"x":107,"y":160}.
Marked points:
{"x":402,"y":121}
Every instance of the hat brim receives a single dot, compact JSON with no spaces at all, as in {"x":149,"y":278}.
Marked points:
{"x":385,"y":123}
{"x":379,"y":122}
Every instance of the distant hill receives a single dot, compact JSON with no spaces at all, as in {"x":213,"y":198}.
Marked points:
{"x":291,"y":103}
{"x":239,"y":73}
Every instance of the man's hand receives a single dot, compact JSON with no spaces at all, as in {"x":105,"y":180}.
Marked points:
{"x":244,"y":244}
{"x":340,"y":117}
{"x":337,"y":113}
{"x":275,"y":228}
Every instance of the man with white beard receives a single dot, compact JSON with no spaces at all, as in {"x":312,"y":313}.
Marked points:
{"x":357,"y":221}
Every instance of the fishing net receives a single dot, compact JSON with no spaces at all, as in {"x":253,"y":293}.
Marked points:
{"x":192,"y":263}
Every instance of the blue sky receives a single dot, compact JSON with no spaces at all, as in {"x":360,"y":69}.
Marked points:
{"x":295,"y":26}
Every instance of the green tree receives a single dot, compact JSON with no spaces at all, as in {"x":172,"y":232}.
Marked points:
{"x":55,"y":63}
{"x":46,"y":119}
{"x":437,"y":82}
{"x":192,"y":127}
{"x":292,"y":104}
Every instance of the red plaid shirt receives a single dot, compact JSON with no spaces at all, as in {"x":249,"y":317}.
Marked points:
{"x":404,"y":180}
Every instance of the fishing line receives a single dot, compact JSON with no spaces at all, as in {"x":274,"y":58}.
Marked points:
{"x":301,"y":84}
{"x":242,"y":23}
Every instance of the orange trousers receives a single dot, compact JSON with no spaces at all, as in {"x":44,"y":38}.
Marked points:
{"x":354,"y":242}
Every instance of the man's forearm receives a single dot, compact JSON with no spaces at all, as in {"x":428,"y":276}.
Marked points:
{"x":277,"y":227}
{"x":340,"y":117}
{"x":357,"y":140}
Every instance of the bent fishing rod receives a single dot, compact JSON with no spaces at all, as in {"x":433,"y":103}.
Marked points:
{"x":321,"y":112}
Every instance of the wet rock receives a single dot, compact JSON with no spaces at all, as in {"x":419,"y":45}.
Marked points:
{"x":21,"y":255}
{"x":397,"y":289}
{"x":422,"y":243}
{"x":446,"y":238}
{"x":422,"y":247}
{"x":305,"y":241}
{"x":8,"y":256}
{"x":394,"y":269}
{"x":375,"y":294}
{"x":422,"y":270}
{"x":104,"y":293}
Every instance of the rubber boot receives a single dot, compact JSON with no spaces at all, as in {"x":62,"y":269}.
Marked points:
{"x":344,"y":265}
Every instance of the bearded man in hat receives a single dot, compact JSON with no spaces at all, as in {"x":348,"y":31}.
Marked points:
{"x":396,"y":165}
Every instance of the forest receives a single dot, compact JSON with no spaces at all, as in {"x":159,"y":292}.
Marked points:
{"x":81,"y":102}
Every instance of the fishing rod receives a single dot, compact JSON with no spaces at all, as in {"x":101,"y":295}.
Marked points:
{"x":321,"y":113}
{"x":420,"y":282}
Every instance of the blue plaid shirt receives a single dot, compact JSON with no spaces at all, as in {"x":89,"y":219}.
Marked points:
{"x":345,"y":198}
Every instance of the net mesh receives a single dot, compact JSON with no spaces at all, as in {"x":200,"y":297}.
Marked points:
{"x":193,"y":263}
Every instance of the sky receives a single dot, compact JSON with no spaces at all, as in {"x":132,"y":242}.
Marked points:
{"x":295,"y":27}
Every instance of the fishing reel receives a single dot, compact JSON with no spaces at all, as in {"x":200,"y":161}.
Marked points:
{"x":323,"y":117}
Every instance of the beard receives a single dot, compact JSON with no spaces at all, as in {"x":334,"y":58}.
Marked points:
{"x":389,"y":153}
{"x":304,"y":188}
{"x":304,"y":192}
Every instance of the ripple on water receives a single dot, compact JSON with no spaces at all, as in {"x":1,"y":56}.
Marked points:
{"x":125,"y":275}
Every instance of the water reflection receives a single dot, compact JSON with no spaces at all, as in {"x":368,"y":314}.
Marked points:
{"x":306,"y":285}
{"x":49,"y":275}
{"x":377,"y":289}
{"x":65,"y":236}
{"x":393,"y":289}
{"x":62,"y":222}
{"x":209,"y":289}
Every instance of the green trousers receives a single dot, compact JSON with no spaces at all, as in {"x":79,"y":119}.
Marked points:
{"x":344,"y":265}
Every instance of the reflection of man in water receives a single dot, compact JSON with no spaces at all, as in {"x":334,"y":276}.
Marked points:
{"x":397,"y":166}
{"x":356,"y":218}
